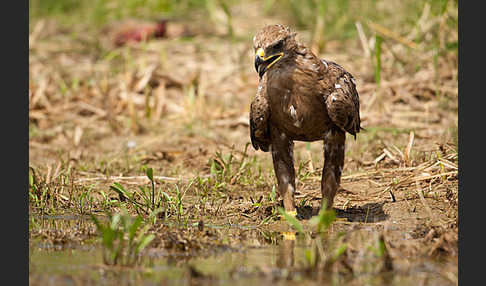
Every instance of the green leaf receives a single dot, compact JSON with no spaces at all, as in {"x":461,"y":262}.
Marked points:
{"x":144,"y":242}
{"x":31,"y":180}
{"x":166,"y":196}
{"x":381,"y":249}
{"x":452,"y":45}
{"x":117,"y":187}
{"x":145,"y":193}
{"x":150,"y":174}
{"x":338,"y":252}
{"x":292,"y":220}
{"x":108,"y":237}
{"x":214,"y":169}
{"x":274,"y":193}
{"x":133,"y":227}
{"x":310,"y":257}
{"x":114,"y":221}
{"x":266,"y":220}
{"x":99,"y":226}
{"x":324,"y":219}
{"x":155,"y":212}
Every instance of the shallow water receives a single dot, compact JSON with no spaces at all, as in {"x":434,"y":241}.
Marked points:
{"x":265,"y":257}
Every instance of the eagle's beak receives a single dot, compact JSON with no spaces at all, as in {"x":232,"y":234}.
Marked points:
{"x":262,"y":63}
{"x":258,"y":62}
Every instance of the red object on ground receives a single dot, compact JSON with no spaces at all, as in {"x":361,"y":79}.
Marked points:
{"x":141,"y":32}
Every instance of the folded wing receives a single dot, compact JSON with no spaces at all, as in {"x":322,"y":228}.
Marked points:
{"x":259,"y":118}
{"x":342,"y":101}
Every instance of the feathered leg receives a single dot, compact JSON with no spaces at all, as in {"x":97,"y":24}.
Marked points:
{"x":283,"y":164}
{"x":334,"y":142}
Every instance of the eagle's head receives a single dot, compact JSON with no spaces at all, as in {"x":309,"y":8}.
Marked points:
{"x":272,"y":44}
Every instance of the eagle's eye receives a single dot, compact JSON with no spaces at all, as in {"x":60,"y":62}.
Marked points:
{"x":278,"y":45}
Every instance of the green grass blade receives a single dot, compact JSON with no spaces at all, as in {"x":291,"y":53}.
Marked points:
{"x":144,"y":242}
{"x":291,"y":220}
{"x":134,"y":227}
{"x":150,"y":174}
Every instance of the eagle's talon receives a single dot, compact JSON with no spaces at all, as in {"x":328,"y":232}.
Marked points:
{"x":288,"y":235}
{"x":290,"y":213}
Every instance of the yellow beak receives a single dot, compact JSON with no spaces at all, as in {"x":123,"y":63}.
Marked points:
{"x":266,"y":62}
{"x":260,"y":53}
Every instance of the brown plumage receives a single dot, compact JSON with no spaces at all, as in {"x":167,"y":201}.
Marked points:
{"x":300,"y":97}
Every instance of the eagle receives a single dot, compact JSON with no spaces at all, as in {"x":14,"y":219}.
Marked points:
{"x":300,"y":97}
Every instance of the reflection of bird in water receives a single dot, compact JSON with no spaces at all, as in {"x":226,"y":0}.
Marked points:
{"x":300,"y":97}
{"x":286,"y":250}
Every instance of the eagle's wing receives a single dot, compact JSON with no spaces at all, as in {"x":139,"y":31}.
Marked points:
{"x":259,"y":119}
{"x":342,"y":101}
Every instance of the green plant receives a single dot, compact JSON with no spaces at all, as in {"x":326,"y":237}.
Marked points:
{"x":324,"y":219}
{"x":214,"y":7}
{"x":149,"y":201}
{"x":123,"y":238}
{"x":152,"y":201}
{"x":107,"y":202}
{"x":221,"y":166}
{"x":84,"y":202}
{"x":177,"y":206}
{"x":302,"y":172}
{"x":47,"y":194}
{"x":273,"y":195}
{"x":303,"y":202}
{"x":230,"y":169}
{"x":38,"y":192}
{"x":291,"y":220}
{"x":325,"y":250}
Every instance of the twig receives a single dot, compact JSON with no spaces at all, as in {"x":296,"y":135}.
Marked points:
{"x":422,"y":199}
{"x":379,"y":158}
{"x":311,"y":165}
{"x":409,"y":147}
{"x":390,"y":155}
{"x":390,"y":34}
{"x":94,"y":109}
{"x":363,"y":39}
{"x":121,"y":178}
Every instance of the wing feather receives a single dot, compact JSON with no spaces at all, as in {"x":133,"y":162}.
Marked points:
{"x":259,"y":119}
{"x":342,"y":102}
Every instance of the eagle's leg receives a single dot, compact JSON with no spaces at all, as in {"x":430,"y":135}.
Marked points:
{"x":283,"y":164}
{"x":334,"y":141}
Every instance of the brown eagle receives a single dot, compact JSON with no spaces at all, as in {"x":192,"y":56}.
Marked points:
{"x":304,"y":98}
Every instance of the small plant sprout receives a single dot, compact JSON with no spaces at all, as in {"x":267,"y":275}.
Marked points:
{"x":324,"y":219}
{"x":123,"y":238}
{"x":151,"y":198}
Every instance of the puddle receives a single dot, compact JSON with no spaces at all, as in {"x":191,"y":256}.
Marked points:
{"x":262,"y":257}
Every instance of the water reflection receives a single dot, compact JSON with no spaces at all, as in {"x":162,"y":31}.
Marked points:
{"x":285,"y":257}
{"x":255,"y":256}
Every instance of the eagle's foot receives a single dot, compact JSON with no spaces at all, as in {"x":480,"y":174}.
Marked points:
{"x":290,"y":213}
{"x":288,"y":235}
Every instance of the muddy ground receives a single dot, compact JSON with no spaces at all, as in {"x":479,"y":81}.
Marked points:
{"x":101,"y":114}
